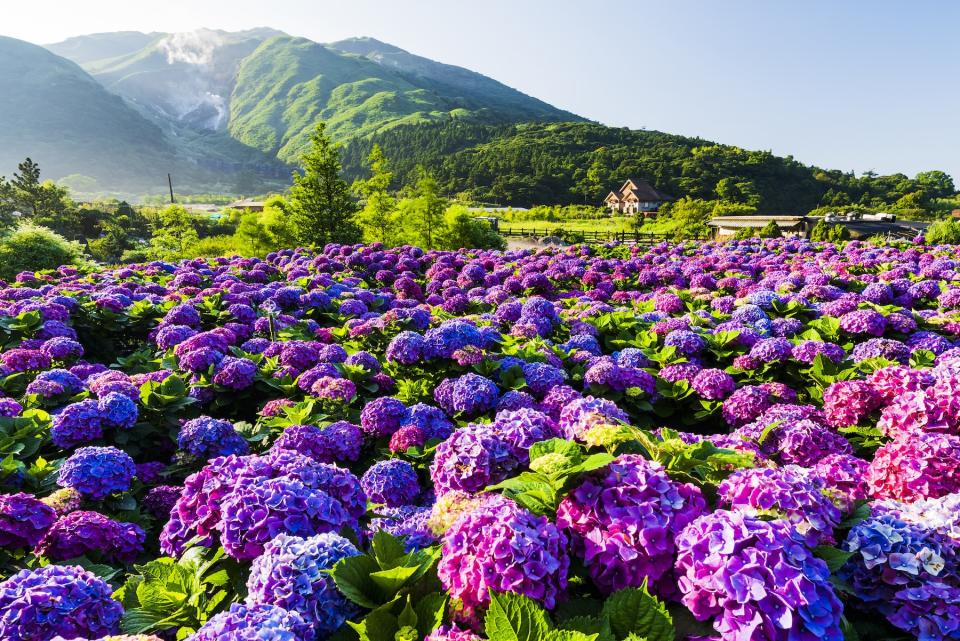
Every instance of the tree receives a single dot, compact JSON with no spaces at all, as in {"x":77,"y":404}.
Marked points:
{"x":379,"y":214}
{"x":321,"y":207}
{"x":426,"y":211}
{"x":278,"y":223}
{"x":174,"y":233}
{"x":936,"y":184}
{"x":770,"y":230}
{"x":690,"y":216}
{"x":464,"y":231}
{"x":44,"y":203}
{"x":252,"y":234}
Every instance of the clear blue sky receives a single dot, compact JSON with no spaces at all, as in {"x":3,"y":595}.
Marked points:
{"x":853,"y":85}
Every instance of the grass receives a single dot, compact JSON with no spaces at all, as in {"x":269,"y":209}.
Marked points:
{"x":613,"y":224}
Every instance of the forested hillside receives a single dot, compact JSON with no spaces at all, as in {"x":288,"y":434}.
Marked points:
{"x":559,"y":163}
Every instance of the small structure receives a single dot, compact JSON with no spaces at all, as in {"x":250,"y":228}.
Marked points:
{"x":636,"y":197}
{"x":493,"y":221}
{"x":859,"y":226}
{"x":247,"y":205}
{"x":726,"y":226}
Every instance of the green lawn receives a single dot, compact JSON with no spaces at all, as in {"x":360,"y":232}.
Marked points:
{"x":613,"y":224}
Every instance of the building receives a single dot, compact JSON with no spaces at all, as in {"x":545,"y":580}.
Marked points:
{"x":247,"y":205}
{"x":636,"y":196}
{"x":861,"y":226}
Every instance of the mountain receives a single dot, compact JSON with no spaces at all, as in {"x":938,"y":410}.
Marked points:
{"x":54,"y":112}
{"x":267,"y":90}
{"x":102,"y":46}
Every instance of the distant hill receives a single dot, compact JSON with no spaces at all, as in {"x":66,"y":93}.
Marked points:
{"x":56,"y":113}
{"x":102,"y":46}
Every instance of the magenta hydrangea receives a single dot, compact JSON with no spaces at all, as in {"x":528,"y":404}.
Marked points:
{"x":91,"y":533}
{"x":849,"y":402}
{"x":503,"y":547}
{"x":471,"y":459}
{"x":622,"y":519}
{"x":915,"y":466}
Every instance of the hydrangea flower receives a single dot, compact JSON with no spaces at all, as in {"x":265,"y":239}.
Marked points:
{"x":471,"y":459}
{"x":621,"y":520}
{"x":503,"y":547}
{"x":392,"y":482}
{"x":291,"y":573}
{"x":755,"y":580}
{"x":849,"y":402}
{"x":97,"y":472}
{"x":76,"y":424}
{"x":469,"y":395}
{"x":382,"y":416}
{"x":579,"y":416}
{"x":409,"y":521}
{"x":82,"y":532}
{"x":254,"y":623}
{"x":24,"y":520}
{"x":207,"y":438}
{"x":915,"y":466}
{"x":57,"y":600}
{"x":907,"y":573}
{"x":788,"y":492}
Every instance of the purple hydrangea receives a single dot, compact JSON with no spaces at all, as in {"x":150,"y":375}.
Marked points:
{"x":235,"y":373}
{"x":76,"y":424}
{"x":907,"y":573}
{"x":746,"y":404}
{"x":406,"y":348}
{"x":755,"y":580}
{"x":57,"y":600}
{"x":24,"y":520}
{"x":118,"y":410}
{"x":583,"y":414}
{"x":471,"y":459}
{"x":392,"y":482}
{"x":83,"y":533}
{"x":97,"y":472}
{"x":713,"y":384}
{"x":408,"y":521}
{"x":469,"y":395}
{"x":292,"y":574}
{"x":382,"y":416}
{"x":789,"y":492}
{"x":621,"y":521}
{"x":160,"y":500}
{"x":501,"y":546}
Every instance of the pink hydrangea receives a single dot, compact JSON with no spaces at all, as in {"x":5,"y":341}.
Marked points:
{"x":916,"y":466}
{"x":849,"y":402}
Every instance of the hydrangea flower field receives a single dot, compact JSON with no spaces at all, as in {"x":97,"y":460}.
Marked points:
{"x":754,"y":440}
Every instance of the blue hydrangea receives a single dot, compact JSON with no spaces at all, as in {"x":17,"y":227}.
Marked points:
{"x":292,"y":574}
{"x":97,"y":472}
{"x":411,"y":522}
{"x":118,"y":410}
{"x":77,"y":423}
{"x":207,"y":438}
{"x":254,"y":623}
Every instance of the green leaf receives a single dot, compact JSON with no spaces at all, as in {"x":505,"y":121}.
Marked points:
{"x":834,"y":557}
{"x":568,"y":449}
{"x":512,"y":617}
{"x":387,"y":549}
{"x":408,"y":617}
{"x":598,"y":626}
{"x":352,"y":576}
{"x":569,"y":635}
{"x":636,"y":611}
{"x":390,"y":581}
{"x":430,"y":610}
{"x":139,"y":620}
{"x":379,"y":625}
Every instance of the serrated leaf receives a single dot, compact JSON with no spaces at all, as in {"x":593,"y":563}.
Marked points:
{"x":597,"y":626}
{"x":569,"y":635}
{"x":430,"y":610}
{"x":139,"y":620}
{"x":391,"y":580}
{"x":636,"y":611}
{"x":387,"y":549}
{"x":568,"y":449}
{"x":512,"y":617}
{"x":352,"y":577}
{"x":379,"y":625}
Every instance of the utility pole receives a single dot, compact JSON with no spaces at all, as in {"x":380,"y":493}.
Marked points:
{"x":170,"y":183}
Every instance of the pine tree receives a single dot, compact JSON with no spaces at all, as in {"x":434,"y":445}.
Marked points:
{"x":429,"y":208}
{"x":379,"y":214}
{"x":320,"y":202}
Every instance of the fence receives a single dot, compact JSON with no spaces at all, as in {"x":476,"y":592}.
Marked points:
{"x":594,"y":236}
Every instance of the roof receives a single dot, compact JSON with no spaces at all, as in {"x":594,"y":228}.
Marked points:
{"x":246,"y":202}
{"x":643,"y":191}
{"x":755,"y":221}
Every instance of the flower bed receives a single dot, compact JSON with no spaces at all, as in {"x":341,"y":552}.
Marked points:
{"x":750,"y":440}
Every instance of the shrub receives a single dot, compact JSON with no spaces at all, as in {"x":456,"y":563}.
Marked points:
{"x":945,"y":232}
{"x":31,"y":248}
{"x":771,"y":230}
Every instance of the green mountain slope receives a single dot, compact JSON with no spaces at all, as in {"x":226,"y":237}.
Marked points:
{"x":51,"y":110}
{"x":288,"y":84}
{"x":551,"y":163}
